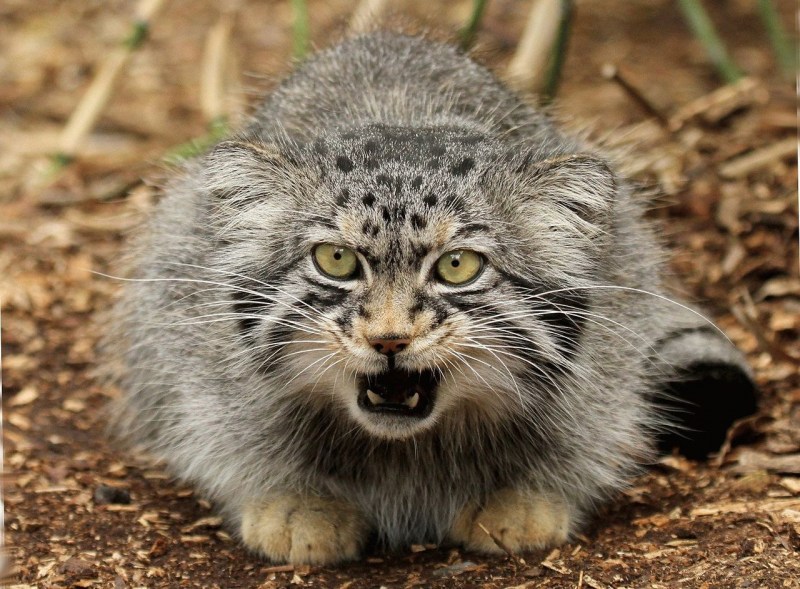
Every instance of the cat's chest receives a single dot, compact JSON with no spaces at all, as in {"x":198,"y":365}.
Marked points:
{"x":440,"y":462}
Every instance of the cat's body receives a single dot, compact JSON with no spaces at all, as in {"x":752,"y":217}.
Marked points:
{"x":246,"y":364}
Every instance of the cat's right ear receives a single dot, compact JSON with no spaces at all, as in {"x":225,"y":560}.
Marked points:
{"x":240,"y":172}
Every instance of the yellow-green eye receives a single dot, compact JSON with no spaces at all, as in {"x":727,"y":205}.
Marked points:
{"x":459,"y":266}
{"x":335,"y":261}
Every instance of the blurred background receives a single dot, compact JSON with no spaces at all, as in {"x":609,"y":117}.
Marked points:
{"x":718,"y":157}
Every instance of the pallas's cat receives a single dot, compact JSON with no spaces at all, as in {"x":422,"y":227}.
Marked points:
{"x":401,"y":305}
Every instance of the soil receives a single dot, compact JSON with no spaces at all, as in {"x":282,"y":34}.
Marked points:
{"x":82,"y":513}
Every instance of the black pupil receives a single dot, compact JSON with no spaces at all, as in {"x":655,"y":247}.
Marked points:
{"x":337,"y":255}
{"x":455,"y":263}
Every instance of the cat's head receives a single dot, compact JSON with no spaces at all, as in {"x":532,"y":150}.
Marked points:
{"x":404,"y":275}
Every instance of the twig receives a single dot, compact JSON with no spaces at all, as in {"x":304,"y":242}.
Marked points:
{"x":717,"y":105}
{"x":743,"y":165}
{"x":784,"y":50}
{"x":527,"y":67}
{"x":556,"y":568}
{"x":300,"y":29}
{"x":559,"y":54}
{"x":279,"y":568}
{"x":212,"y":81}
{"x":471,"y":28}
{"x":624,"y":79}
{"x":502,"y":545}
{"x":704,"y":29}
{"x":87,"y":112}
{"x":367,"y":14}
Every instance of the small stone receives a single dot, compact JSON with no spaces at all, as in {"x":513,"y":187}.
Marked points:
{"x":105,"y":494}
{"x":76,"y":567}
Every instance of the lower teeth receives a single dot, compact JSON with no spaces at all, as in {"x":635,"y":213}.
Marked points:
{"x":375,"y":398}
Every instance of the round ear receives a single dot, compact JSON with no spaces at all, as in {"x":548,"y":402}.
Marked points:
{"x":582,"y":183}
{"x":562,"y":208}
{"x":245,"y":171}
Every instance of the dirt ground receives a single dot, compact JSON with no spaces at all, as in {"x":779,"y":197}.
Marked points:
{"x":80,"y":513}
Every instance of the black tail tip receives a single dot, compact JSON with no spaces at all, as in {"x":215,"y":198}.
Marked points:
{"x":703,"y":401}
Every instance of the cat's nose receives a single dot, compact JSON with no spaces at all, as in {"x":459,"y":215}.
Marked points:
{"x":389,"y":345}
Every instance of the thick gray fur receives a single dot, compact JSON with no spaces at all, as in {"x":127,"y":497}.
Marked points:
{"x":386,"y":143}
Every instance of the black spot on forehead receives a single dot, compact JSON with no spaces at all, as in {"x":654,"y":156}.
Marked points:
{"x":430,"y":200}
{"x":463,"y":167}
{"x":343,"y":197}
{"x":379,"y":143}
{"x":368,"y":199}
{"x":418,"y":221}
{"x":344,"y":163}
{"x":416,"y":183}
{"x":394,"y":183}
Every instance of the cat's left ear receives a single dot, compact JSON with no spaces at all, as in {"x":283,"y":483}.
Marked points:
{"x":582,"y":183}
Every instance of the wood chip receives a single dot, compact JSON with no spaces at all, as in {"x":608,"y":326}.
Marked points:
{"x":778,"y":287}
{"x":720,"y":103}
{"x":749,"y":460}
{"x":27,"y":395}
{"x":74,"y":405}
{"x":767,"y":506}
{"x":203,"y":522}
{"x":554,"y":567}
{"x":280,"y":568}
{"x":791,"y":484}
{"x":20,"y":421}
{"x":754,"y":161}
{"x":196,"y":539}
{"x":594,"y":584}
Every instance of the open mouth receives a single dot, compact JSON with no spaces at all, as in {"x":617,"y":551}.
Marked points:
{"x":398,"y":393}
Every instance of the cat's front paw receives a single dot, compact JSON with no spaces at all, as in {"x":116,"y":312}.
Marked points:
{"x":303,"y":529}
{"x":521,"y":519}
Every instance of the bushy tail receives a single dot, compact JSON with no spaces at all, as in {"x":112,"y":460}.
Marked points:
{"x":706,"y":386}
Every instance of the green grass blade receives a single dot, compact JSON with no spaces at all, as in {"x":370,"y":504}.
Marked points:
{"x":301,"y":37}
{"x":471,"y":28}
{"x":698,"y":19}
{"x":559,"y":51}
{"x":785,"y":51}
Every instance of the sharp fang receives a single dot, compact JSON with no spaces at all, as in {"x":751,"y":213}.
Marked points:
{"x":375,"y":398}
{"x":412,"y":401}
